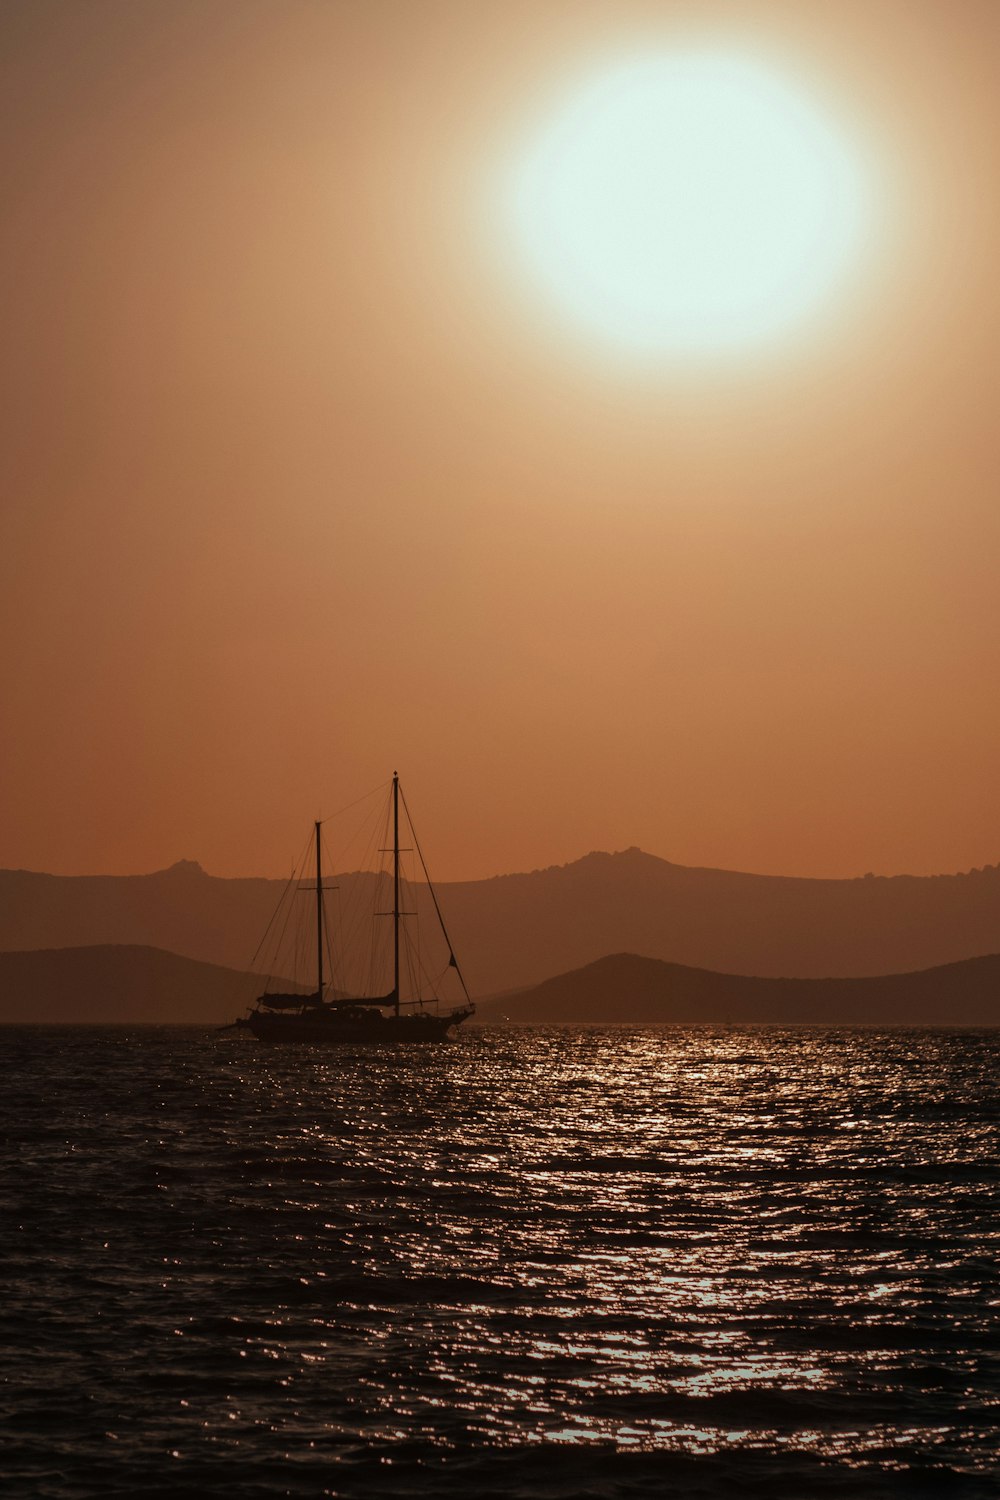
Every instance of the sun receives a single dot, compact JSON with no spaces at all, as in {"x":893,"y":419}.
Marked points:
{"x":688,"y":203}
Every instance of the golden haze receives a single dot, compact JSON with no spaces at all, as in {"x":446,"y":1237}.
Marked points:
{"x":301,"y":484}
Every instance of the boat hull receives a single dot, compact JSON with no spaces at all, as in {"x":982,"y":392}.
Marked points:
{"x":346,"y":1028}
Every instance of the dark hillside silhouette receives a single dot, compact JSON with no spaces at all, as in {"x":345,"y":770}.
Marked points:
{"x":515,"y":930}
{"x":521,"y":928}
{"x":138,"y":985}
{"x":626,"y":988}
{"x":120,"y":984}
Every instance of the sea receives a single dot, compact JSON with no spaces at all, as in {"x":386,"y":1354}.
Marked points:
{"x":531,"y":1262}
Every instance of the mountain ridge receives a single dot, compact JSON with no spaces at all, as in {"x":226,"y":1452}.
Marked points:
{"x":592,"y":858}
{"x":628,"y":988}
{"x":511,"y":931}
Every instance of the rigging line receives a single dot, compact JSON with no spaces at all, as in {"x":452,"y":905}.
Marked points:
{"x":357,"y":851}
{"x":297,"y":877}
{"x":430,"y":887}
{"x":350,"y":907}
{"x":345,"y":931}
{"x":411,"y":889}
{"x":360,"y":837}
{"x":411,"y":946}
{"x":348,"y":930}
{"x":275,"y":912}
{"x":354,"y":931}
{"x":329,"y":951}
{"x":433,"y":984}
{"x":378,"y":952}
{"x":271,"y":920}
{"x":330,"y":816}
{"x":421,"y":977}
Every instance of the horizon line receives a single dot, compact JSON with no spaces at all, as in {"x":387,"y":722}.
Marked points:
{"x":194,"y":866}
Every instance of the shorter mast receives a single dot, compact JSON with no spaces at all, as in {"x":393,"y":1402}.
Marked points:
{"x":395,"y":891}
{"x":319,"y":919}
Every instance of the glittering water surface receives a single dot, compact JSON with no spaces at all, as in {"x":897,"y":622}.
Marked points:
{"x":540,"y":1263}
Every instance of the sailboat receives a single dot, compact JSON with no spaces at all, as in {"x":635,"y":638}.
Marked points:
{"x":329,"y":1018}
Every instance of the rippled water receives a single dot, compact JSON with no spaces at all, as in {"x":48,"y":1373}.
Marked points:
{"x":539,"y":1263}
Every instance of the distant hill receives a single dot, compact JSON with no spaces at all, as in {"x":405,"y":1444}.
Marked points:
{"x":626,"y":988}
{"x":515,"y":930}
{"x":120,"y":983}
{"x":116,"y":983}
{"x":182,"y":910}
{"x":519,"y":929}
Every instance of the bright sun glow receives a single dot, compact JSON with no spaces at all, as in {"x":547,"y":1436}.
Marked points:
{"x":689,"y":203}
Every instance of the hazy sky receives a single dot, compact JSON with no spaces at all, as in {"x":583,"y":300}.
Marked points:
{"x":304,"y":480}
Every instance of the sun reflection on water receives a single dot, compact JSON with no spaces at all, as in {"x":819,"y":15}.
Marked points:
{"x":687,"y":1242}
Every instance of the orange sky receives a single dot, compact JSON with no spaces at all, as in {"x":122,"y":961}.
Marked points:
{"x":301,"y":484}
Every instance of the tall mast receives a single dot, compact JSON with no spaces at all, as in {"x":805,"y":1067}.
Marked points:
{"x":319,"y":918}
{"x":395,"y":890}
